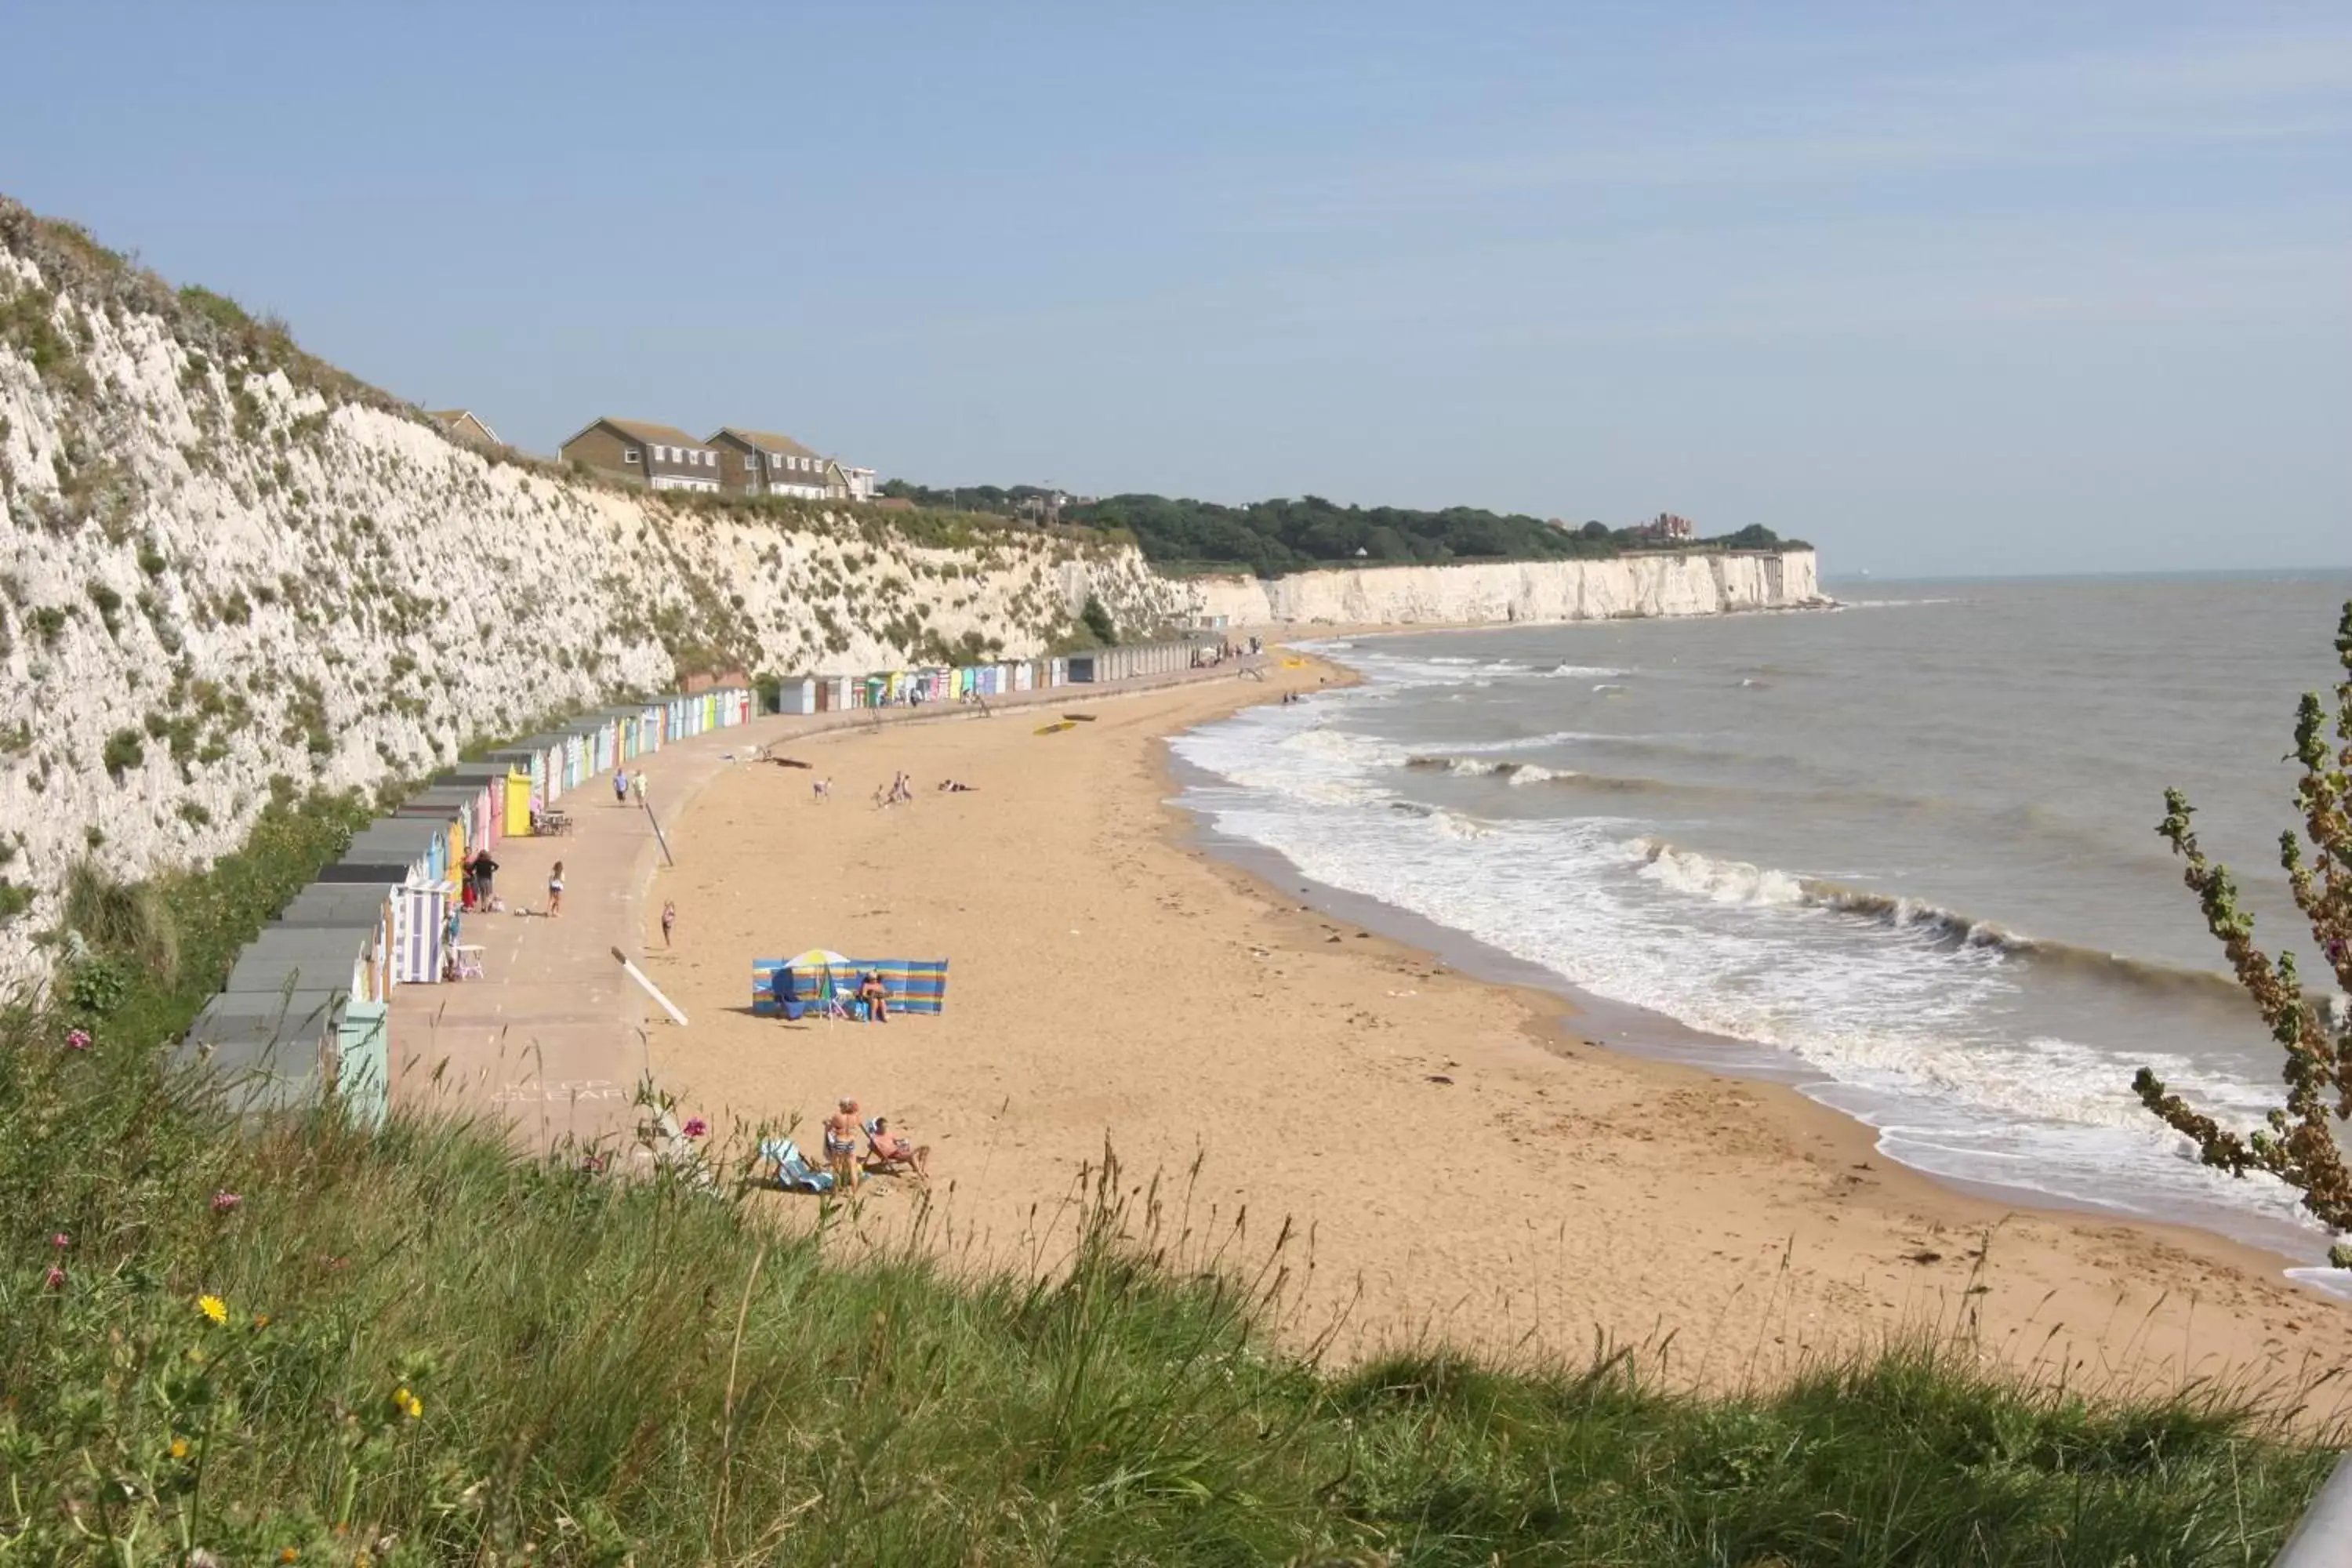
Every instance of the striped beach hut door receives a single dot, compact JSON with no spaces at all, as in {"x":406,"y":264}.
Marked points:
{"x":417,"y":917}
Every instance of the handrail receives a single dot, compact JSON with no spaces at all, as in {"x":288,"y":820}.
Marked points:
{"x":2324,"y":1539}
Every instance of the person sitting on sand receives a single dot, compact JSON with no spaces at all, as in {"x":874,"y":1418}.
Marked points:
{"x":954,"y":786}
{"x":887,"y":1153}
{"x":840,"y":1131}
{"x":875,"y":996}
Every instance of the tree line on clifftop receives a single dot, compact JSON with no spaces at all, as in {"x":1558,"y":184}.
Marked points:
{"x":1272,"y":537}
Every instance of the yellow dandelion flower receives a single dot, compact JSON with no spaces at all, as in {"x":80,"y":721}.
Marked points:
{"x":408,"y":1405}
{"x":214,"y":1308}
{"x":179,"y":1447}
{"x":287,"y":1554}
{"x":260,"y":1319}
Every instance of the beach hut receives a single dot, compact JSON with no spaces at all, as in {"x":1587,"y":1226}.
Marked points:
{"x":420,"y":919}
{"x":421,"y":844}
{"x":466,"y":807}
{"x":308,"y":958}
{"x":796,"y":695}
{"x":363,"y":1063}
{"x":265,"y":1052}
{"x":541,"y":757}
{"x":497,"y":782}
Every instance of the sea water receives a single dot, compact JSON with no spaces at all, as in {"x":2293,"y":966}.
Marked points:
{"x":1903,"y":852}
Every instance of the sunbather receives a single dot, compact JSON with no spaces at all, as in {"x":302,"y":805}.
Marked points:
{"x":887,"y":1153}
{"x":841,"y":1129}
{"x":875,"y":996}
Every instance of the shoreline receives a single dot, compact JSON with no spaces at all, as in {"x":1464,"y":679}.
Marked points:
{"x":1636,"y":1168}
{"x":1648,"y":1034}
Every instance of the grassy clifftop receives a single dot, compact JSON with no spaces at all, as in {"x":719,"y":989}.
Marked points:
{"x":303,"y":1344}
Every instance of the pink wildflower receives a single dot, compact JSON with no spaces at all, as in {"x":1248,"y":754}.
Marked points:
{"x":594,"y":1164}
{"x":60,"y":1240}
{"x":695,"y":1127}
{"x":77,"y":1039}
{"x":224,"y":1202}
{"x":55,"y":1279}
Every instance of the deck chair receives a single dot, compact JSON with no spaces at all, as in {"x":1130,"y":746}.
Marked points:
{"x":874,"y":1162}
{"x":793,"y":1172}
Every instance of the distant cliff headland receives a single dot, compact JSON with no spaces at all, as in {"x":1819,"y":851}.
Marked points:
{"x":1312,"y":561}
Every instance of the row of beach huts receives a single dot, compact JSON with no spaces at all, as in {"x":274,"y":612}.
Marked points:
{"x":305,"y":1010}
{"x":837,"y":693}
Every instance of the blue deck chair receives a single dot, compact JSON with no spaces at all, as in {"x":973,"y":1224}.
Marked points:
{"x":793,"y":1172}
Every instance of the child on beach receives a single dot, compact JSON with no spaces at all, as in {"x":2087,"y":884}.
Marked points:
{"x":555,"y":891}
{"x":669,"y":918}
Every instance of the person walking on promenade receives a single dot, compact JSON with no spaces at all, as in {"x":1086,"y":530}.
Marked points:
{"x":620,"y":787}
{"x":637,"y":783}
{"x":841,"y":1130}
{"x":669,"y":918}
{"x":555,"y":891}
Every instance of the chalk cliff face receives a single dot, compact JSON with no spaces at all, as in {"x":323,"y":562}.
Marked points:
{"x":221,"y":563}
{"x":1532,"y":591}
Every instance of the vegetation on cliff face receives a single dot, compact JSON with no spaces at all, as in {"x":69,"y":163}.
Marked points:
{"x":2301,"y":1141}
{"x":1272,"y":537}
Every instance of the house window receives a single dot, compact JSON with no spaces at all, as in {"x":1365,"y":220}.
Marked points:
{"x":629,"y":454}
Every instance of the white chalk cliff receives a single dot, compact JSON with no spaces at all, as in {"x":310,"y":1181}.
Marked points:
{"x":1697,"y":583}
{"x":221,"y":563}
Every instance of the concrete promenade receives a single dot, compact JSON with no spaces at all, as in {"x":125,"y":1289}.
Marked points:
{"x":552,"y":1038}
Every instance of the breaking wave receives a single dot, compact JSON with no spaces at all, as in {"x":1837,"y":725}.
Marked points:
{"x":1534,"y":773}
{"x":1739,"y":882}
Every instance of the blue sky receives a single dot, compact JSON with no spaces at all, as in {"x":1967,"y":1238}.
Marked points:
{"x":1952,"y":288}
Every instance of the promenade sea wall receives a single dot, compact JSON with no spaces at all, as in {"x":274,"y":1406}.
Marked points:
{"x":1696,"y":584}
{"x":221,"y":565}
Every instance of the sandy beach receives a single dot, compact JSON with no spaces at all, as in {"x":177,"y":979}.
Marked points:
{"x":1450,"y":1160}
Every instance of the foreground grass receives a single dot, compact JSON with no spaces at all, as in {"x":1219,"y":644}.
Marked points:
{"x":419,"y":1348}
